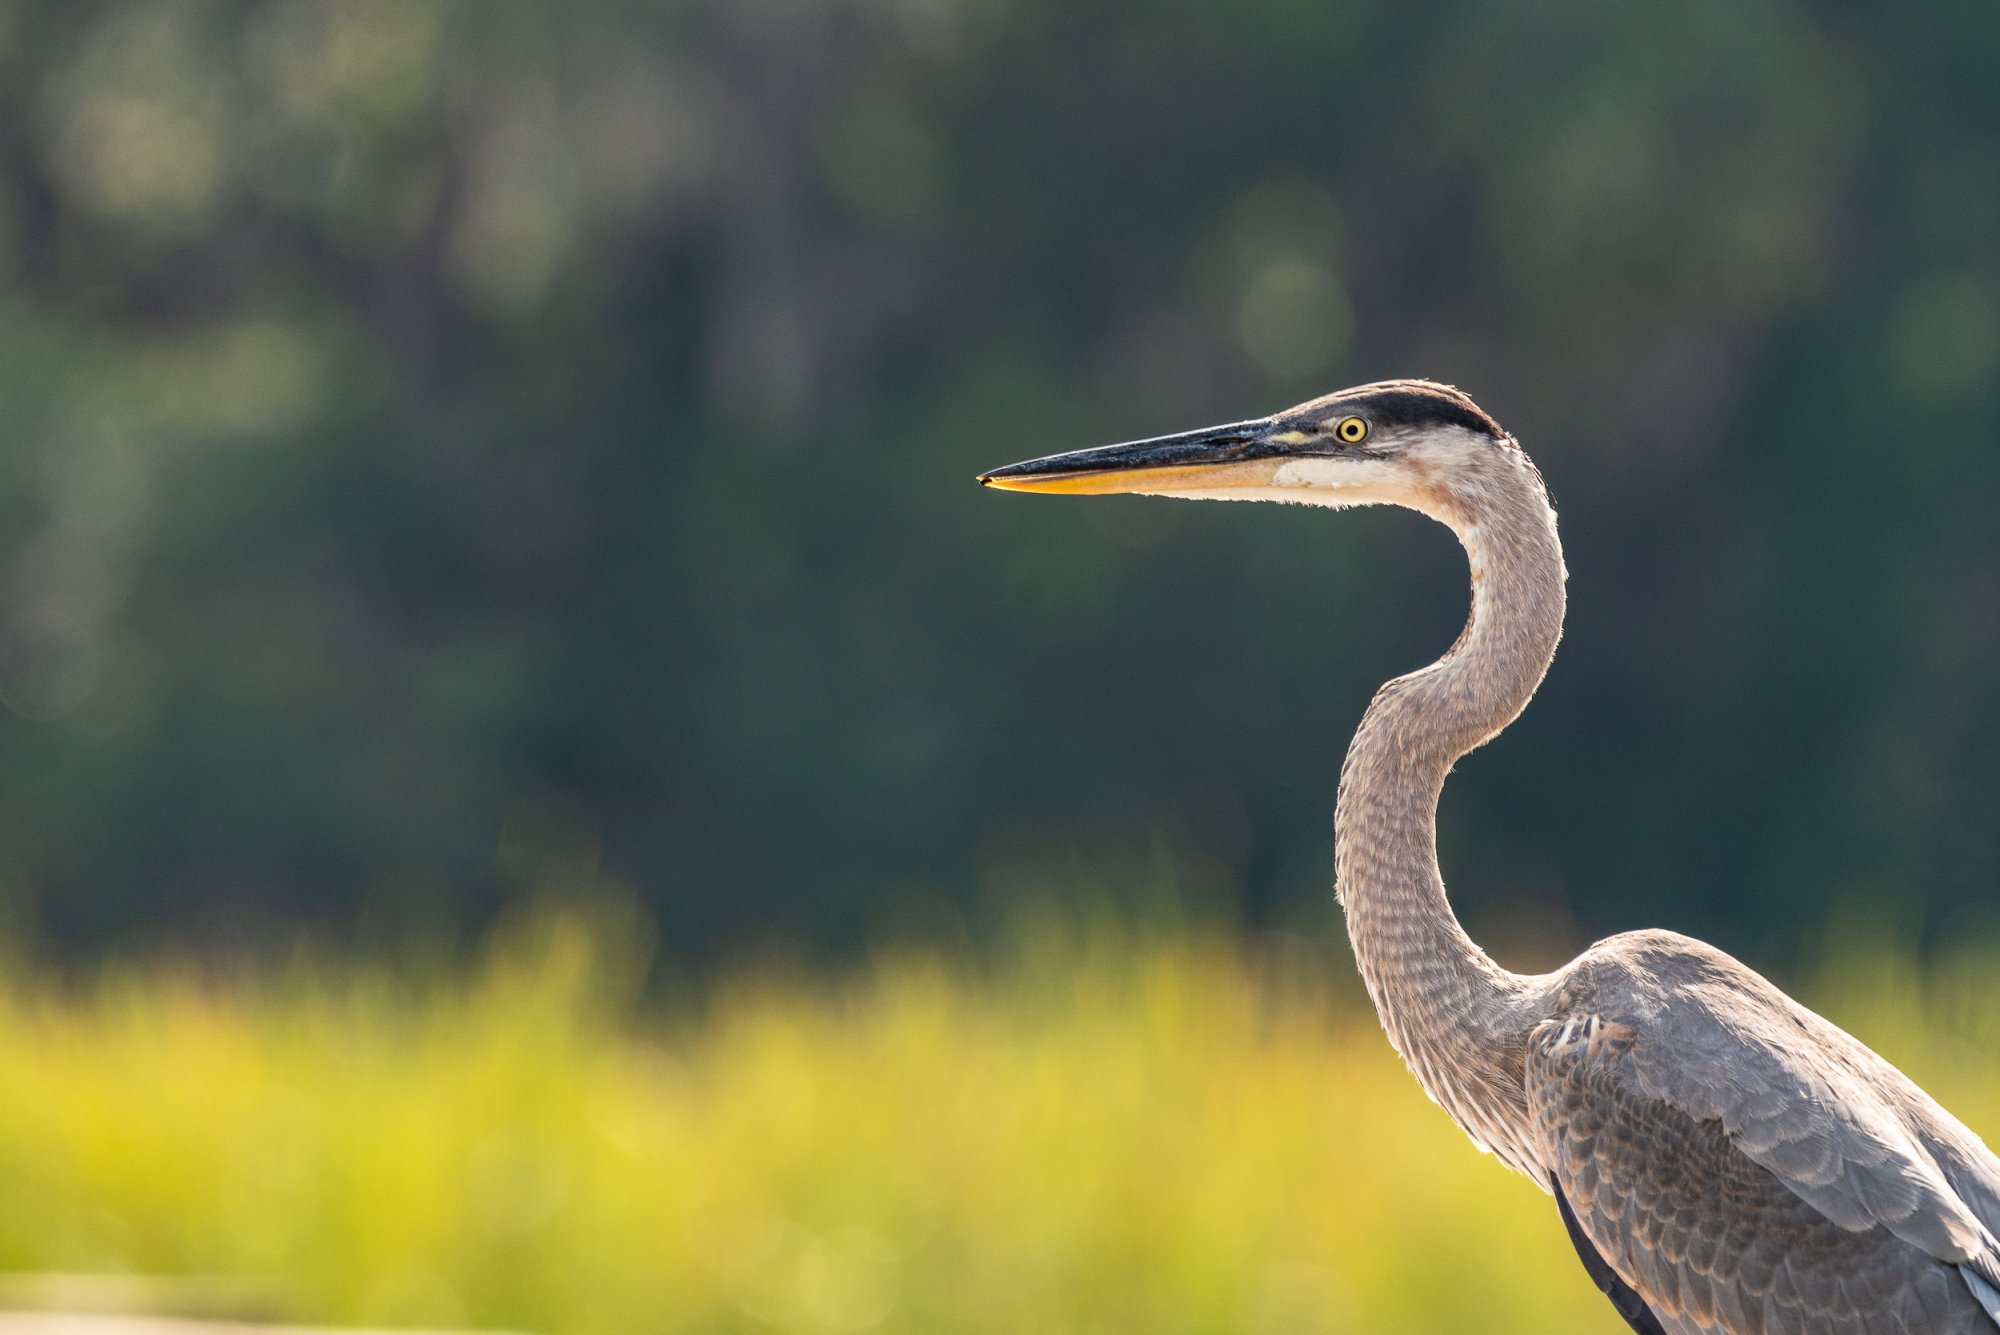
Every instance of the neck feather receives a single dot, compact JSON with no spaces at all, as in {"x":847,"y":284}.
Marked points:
{"x":1459,"y":1020}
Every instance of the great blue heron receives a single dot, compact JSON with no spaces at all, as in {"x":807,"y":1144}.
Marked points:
{"x":1723,"y":1159}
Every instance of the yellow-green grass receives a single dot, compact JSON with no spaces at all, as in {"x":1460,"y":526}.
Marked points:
{"x":1100,"y":1132}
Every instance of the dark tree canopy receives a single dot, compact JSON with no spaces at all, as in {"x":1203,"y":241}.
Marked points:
{"x":451,"y":447}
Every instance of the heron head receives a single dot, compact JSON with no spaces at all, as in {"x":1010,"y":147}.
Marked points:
{"x":1398,"y":442}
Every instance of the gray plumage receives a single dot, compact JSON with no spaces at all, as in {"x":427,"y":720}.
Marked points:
{"x":1747,"y":1166}
{"x":1742,"y":1164}
{"x":1731,"y":1161}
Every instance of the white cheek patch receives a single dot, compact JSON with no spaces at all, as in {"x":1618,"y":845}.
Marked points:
{"x":1330,"y":482}
{"x":1340,"y":483}
{"x":1374,"y":477}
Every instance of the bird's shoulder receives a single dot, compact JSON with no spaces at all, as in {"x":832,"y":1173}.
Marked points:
{"x":1690,"y":1002}
{"x":1650,"y":971}
{"x":1664,"y":996}
{"x":1669,"y":1015}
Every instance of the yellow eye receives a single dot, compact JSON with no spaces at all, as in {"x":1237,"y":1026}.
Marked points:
{"x":1351,"y":430}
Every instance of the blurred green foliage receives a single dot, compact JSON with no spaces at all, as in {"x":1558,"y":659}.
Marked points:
{"x":1083,"y":1129}
{"x":449,"y":445}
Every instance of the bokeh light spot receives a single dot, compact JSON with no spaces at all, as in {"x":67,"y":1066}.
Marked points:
{"x":1294,"y":319}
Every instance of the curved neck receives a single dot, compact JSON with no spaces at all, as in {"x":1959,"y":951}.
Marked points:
{"x":1458,"y":1019}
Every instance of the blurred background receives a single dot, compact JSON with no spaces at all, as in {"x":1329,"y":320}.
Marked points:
{"x":476,"y":463}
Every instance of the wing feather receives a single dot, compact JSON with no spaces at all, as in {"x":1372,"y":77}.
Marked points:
{"x":1798,"y":1095}
{"x":1821,"y":1126}
{"x":1745,"y":1166}
{"x":1987,"y":1294}
{"x":1624,"y":1299}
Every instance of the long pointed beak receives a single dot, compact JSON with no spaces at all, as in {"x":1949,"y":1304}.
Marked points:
{"x":1242,"y":454}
